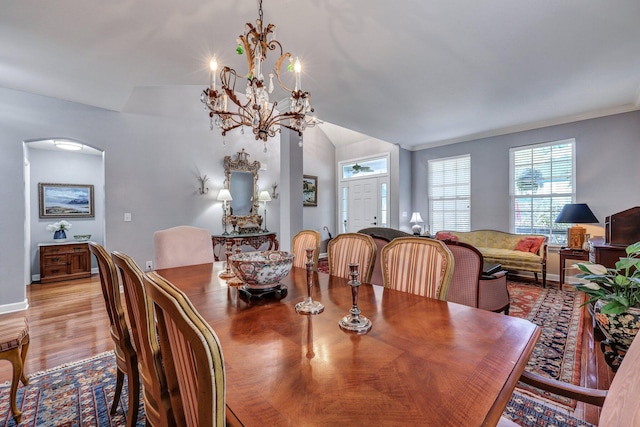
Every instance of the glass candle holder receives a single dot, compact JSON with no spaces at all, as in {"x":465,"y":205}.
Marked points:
{"x":308,"y":306}
{"x":354,"y":322}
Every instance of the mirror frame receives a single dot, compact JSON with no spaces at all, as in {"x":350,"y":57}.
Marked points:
{"x":241,"y":164}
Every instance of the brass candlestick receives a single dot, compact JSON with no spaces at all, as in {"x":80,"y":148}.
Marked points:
{"x":354,"y":322}
{"x":227,"y":273}
{"x":308,"y":306}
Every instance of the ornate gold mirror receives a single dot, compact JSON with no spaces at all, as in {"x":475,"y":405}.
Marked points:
{"x":241,"y":179}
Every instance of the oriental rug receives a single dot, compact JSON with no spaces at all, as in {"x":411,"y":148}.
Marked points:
{"x":78,"y":394}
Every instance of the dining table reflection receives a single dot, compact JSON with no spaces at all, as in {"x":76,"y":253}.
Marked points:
{"x":424,"y":362}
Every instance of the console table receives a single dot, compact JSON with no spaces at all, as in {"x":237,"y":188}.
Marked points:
{"x":255,"y":240}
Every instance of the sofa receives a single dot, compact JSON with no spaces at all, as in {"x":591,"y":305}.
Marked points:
{"x":513,"y":251}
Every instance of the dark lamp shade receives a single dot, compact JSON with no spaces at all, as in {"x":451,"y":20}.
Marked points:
{"x":576,"y":213}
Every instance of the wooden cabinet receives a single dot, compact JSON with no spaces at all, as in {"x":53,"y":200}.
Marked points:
{"x":607,"y":255}
{"x":64,"y":261}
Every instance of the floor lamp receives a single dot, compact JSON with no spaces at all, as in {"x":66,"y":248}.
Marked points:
{"x":225,"y":197}
{"x":264,"y":197}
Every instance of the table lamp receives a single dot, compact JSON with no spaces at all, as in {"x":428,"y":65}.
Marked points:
{"x":576,"y":213}
{"x":415,"y":219}
{"x":264,"y":197}
{"x":225,"y":197}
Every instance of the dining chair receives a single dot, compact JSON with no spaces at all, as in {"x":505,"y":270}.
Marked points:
{"x":418,"y":265}
{"x":191,"y":354}
{"x":157,"y":405}
{"x":126,"y":358}
{"x":351,"y":248}
{"x":305,"y":239}
{"x":182,"y":245}
{"x":14,"y":344}
{"x":619,"y":403}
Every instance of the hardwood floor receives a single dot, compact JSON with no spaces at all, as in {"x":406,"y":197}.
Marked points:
{"x":68,"y":321}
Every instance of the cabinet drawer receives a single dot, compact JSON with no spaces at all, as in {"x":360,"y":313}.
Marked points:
{"x":54,"y":270}
{"x":55,"y":259}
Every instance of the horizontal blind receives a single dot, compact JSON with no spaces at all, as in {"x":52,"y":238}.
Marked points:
{"x":450,"y":194}
{"x":542,"y":181}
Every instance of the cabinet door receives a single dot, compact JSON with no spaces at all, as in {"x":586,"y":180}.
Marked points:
{"x":77,"y":262}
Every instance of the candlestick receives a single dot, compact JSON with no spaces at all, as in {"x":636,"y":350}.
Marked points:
{"x":308,"y":306}
{"x":354,"y":322}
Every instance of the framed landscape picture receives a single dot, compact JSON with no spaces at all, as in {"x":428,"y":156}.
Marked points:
{"x":65,"y":200}
{"x":310,"y":190}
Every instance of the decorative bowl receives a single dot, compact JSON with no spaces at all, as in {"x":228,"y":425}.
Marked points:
{"x":261,"y":270}
{"x":82,"y":237}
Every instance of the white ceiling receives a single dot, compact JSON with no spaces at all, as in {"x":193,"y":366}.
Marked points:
{"x":417,"y":73}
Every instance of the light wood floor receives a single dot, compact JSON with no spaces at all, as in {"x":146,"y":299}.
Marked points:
{"x":68,"y":321}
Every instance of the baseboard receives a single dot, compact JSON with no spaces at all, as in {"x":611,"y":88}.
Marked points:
{"x":16,"y":306}
{"x":36,"y":277}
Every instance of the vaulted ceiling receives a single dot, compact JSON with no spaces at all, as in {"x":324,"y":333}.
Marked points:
{"x":417,"y":73}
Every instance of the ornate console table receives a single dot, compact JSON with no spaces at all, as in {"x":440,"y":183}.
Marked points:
{"x":255,"y":240}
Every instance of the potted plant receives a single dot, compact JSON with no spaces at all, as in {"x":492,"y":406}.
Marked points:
{"x":615,"y":293}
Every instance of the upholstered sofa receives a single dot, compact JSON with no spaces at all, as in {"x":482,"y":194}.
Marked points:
{"x":500,"y":247}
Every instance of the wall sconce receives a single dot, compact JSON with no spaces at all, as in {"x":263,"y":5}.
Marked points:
{"x":203,"y":180}
{"x":274,"y":195}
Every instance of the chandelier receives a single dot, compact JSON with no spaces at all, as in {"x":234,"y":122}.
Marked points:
{"x":227,"y":111}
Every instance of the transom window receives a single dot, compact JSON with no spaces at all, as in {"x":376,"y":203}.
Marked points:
{"x":542,"y":181}
{"x":450,"y":194}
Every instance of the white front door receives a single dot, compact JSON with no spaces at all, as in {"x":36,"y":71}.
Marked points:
{"x":363,"y":204}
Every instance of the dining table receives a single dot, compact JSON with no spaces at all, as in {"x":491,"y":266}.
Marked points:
{"x":423,"y":362}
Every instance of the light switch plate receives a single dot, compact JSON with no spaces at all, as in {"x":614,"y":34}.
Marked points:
{"x":127,"y":217}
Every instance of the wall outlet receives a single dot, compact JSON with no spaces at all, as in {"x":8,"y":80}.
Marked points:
{"x":149,"y":265}
{"x":127,"y":217}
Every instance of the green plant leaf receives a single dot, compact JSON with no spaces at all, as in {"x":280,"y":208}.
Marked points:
{"x":614,"y":307}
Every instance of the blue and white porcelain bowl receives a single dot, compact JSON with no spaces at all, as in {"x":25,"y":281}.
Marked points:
{"x":261,"y":270}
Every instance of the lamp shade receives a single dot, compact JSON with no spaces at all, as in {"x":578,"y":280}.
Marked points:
{"x":224,"y":195}
{"x":576,"y":213}
{"x":416,"y":218}
{"x":264,"y":196}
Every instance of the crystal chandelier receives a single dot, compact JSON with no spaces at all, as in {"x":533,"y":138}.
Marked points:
{"x":227,"y":111}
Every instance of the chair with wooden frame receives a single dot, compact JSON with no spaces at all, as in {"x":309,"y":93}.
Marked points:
{"x":305,"y":239}
{"x":619,"y":404}
{"x":418,"y":265}
{"x":352,"y":248}
{"x":141,"y":320}
{"x":469,"y":286}
{"x":126,"y":358}
{"x":14,"y":344}
{"x":191,"y":354}
{"x":182,"y":245}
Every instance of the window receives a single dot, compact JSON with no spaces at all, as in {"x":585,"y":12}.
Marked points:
{"x":450,"y":194}
{"x":377,"y":166}
{"x":542,"y":181}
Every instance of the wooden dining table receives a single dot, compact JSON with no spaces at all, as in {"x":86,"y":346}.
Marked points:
{"x":424,"y":361}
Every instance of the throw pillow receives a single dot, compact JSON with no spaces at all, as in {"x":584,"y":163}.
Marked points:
{"x":524,"y":245}
{"x":536,"y":242}
{"x":443,"y":235}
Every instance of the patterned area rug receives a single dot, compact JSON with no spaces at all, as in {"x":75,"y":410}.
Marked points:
{"x":78,"y":394}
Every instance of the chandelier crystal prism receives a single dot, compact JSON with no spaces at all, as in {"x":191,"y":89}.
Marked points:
{"x":227,"y":111}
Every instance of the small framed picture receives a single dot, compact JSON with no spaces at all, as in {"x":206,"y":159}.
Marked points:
{"x":65,"y":200}
{"x":310,"y":190}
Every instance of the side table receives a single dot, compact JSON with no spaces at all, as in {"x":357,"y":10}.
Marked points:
{"x":575,"y":254}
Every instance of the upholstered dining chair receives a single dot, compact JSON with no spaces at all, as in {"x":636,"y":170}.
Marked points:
{"x":418,"y":265}
{"x":191,"y":355}
{"x":157,"y":405}
{"x":352,"y":248}
{"x":305,"y":239}
{"x":14,"y":344}
{"x":126,"y":358}
{"x":619,"y":403}
{"x":182,"y":245}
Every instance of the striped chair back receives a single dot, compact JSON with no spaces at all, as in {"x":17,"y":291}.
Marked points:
{"x":157,"y":405}
{"x":418,"y":265}
{"x":464,"y":287}
{"x":191,"y":355}
{"x":126,"y":358}
{"x":305,"y":239}
{"x":350,"y":248}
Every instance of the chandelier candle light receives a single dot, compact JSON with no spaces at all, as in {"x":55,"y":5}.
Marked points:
{"x":227,"y":111}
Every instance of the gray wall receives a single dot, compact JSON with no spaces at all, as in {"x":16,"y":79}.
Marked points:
{"x":607,"y":168}
{"x":154,"y":153}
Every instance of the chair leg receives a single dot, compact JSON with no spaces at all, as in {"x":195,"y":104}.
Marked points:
{"x":23,"y":353}
{"x":14,"y":356}
{"x":118,"y":393}
{"x":133,"y":382}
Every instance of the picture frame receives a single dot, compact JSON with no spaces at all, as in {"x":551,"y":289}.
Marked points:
{"x":309,"y":190}
{"x":65,"y":200}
